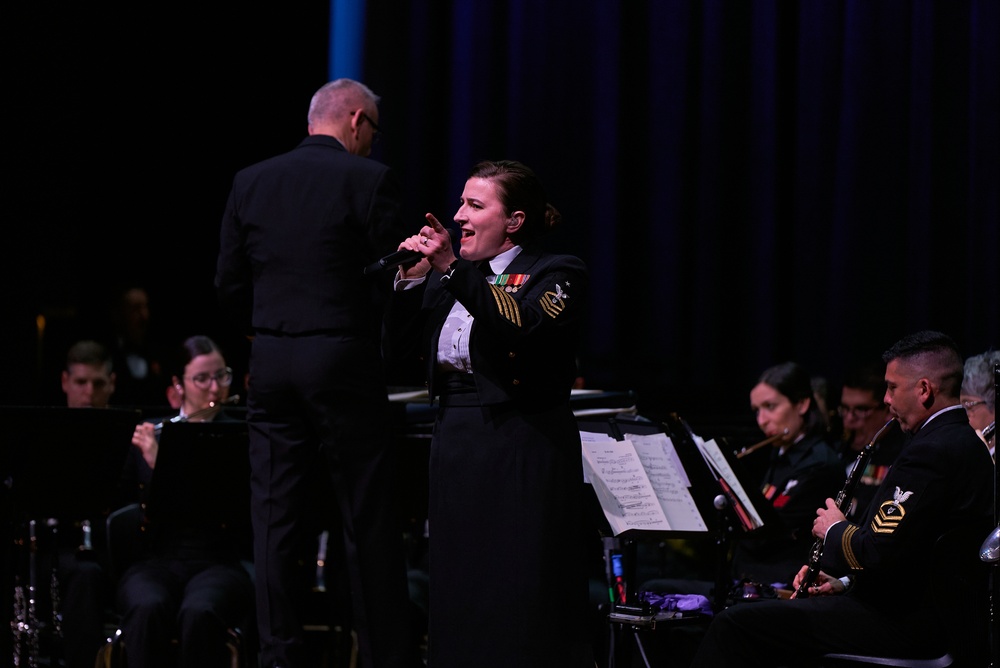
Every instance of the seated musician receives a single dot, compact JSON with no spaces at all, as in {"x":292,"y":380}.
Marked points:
{"x":979,"y":396}
{"x":802,"y":471}
{"x":941,"y":479}
{"x":193,"y":582}
{"x":863,"y":414}
{"x":88,"y":382}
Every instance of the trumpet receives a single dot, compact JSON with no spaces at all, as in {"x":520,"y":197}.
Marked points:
{"x":757,"y":446}
{"x":212,"y":407}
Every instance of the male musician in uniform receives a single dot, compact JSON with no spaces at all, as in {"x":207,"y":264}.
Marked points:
{"x":941,"y":479}
{"x":863,"y":414}
{"x":88,"y":382}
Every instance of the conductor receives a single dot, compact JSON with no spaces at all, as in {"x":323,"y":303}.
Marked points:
{"x":297,"y":232}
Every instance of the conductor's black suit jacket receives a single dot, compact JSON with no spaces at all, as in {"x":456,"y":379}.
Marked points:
{"x":339,"y":212}
{"x":298,"y":231}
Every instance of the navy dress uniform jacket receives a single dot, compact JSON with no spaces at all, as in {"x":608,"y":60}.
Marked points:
{"x":942,"y":478}
{"x":508,"y":583}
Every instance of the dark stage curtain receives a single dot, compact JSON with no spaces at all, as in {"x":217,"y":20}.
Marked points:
{"x":749,"y":181}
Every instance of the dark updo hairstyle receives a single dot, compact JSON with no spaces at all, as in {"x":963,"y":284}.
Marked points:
{"x":192,"y":347}
{"x":520,"y":190}
{"x":792,"y":381}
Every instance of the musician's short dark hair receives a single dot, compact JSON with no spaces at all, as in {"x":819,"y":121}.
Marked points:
{"x":868,"y":377}
{"x":936,"y":353}
{"x":89,"y":352}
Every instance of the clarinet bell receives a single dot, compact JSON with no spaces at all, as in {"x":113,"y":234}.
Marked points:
{"x":990,"y":551}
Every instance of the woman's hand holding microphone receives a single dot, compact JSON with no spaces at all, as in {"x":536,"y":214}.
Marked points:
{"x":434,"y":243}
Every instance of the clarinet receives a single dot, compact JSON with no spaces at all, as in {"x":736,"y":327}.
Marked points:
{"x":843,"y":498}
{"x":24,"y":624}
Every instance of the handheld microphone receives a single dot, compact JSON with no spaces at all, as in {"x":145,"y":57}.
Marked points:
{"x":393,"y":260}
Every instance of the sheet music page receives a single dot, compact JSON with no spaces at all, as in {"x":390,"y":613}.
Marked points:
{"x":710,"y":449}
{"x":622,"y":486}
{"x":669,"y":480}
{"x":591,"y":437}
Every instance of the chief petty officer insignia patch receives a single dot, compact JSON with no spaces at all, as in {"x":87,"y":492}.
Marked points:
{"x":891,"y":513}
{"x":553,"y":302}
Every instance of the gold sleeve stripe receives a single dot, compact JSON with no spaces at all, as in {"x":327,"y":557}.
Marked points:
{"x":506,"y":305}
{"x":845,"y":545}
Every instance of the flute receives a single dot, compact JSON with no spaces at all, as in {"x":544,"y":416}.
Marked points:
{"x":757,"y":446}
{"x":204,"y":412}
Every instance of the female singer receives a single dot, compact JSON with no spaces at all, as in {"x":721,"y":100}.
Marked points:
{"x":803,"y":471}
{"x":507,"y":585}
{"x":192,"y":582}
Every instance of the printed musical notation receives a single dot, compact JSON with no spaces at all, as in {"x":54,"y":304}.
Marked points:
{"x":640,"y":483}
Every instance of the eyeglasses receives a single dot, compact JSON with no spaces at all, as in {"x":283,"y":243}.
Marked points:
{"x":972,"y":403}
{"x":860,"y":411}
{"x":376,"y":133}
{"x":203,"y":381}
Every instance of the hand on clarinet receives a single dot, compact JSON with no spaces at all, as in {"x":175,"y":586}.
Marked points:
{"x":434,"y":243}
{"x":825,"y":585}
{"x":826,"y":518}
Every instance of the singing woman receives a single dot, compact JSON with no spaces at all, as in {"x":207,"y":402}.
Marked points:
{"x":498,"y":327}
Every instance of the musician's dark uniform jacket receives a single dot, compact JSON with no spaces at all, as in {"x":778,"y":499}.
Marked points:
{"x":883,"y":455}
{"x":942,"y":479}
{"x":508,"y":583}
{"x":796,"y":483}
{"x":298,"y":231}
{"x":190,"y":579}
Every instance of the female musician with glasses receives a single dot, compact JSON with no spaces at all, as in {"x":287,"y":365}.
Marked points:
{"x":192,"y":583}
{"x":863,"y":413}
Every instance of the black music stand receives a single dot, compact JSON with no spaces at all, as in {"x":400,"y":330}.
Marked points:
{"x":202,"y":475}
{"x":63,"y":463}
{"x":715,"y":506}
{"x":58,"y":466}
{"x":772,"y":526}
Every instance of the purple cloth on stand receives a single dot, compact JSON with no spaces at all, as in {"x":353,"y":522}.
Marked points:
{"x":678,"y":602}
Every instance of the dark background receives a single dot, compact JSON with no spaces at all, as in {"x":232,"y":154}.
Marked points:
{"x":748,"y":181}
